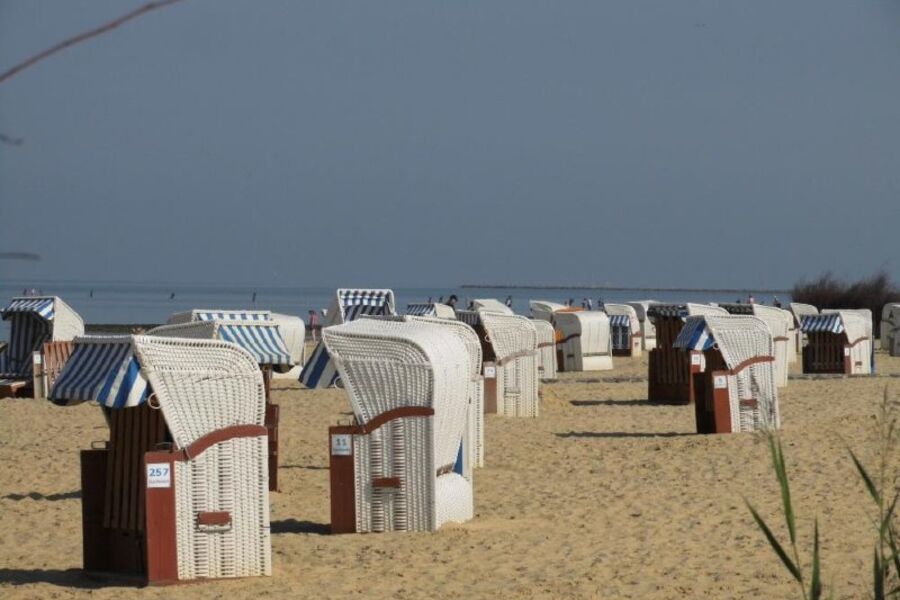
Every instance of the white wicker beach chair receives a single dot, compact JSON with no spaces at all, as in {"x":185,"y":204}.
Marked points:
{"x":408,"y":383}
{"x":584,"y":340}
{"x":890,"y":329}
{"x":180,"y":492}
{"x":292,"y":329}
{"x":33,"y":321}
{"x":514,"y":341}
{"x":348,"y":305}
{"x":839,"y":341}
{"x":431,"y":309}
{"x":625,"y":329}
{"x":492,"y":305}
{"x":648,"y":331}
{"x":800,"y":310}
{"x":543,"y":309}
{"x":780,"y":324}
{"x":736,"y":390}
{"x":546,"y":350}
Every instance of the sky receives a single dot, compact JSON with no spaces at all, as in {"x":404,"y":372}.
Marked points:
{"x":433,"y":143}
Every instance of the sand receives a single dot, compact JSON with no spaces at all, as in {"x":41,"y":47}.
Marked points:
{"x":602,"y":496}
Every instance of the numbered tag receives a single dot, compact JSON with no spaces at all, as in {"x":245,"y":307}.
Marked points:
{"x":341,"y":445}
{"x":720,"y":382}
{"x":38,"y":359}
{"x":846,"y":351}
{"x":490,"y":372}
{"x":695,"y":359}
{"x":159,"y":475}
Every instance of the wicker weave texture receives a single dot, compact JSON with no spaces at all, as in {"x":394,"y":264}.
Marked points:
{"x":514,"y":340}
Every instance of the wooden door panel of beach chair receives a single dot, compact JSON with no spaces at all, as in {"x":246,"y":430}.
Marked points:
{"x":55,"y":356}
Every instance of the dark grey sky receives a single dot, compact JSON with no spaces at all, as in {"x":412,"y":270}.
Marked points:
{"x":435,"y":143}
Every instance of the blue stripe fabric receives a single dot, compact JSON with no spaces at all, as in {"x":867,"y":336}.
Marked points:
{"x":263,"y":342}
{"x":831,"y":323}
{"x":425,"y":309}
{"x":695,"y":335}
{"x":43,"y":307}
{"x":619,"y":321}
{"x":355,"y":303}
{"x":108,"y":373}
{"x":320,"y":370}
{"x":235,"y":315}
{"x":469,"y":317}
{"x":27,"y":334}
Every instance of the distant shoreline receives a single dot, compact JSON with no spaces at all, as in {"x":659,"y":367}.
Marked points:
{"x":613,"y":288}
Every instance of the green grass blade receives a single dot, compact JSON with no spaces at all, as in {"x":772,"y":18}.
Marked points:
{"x":781,"y":472}
{"x":788,"y":563}
{"x":870,"y":485}
{"x":895,"y":551}
{"x":877,"y":578}
{"x":888,"y":517}
{"x":815,"y":584}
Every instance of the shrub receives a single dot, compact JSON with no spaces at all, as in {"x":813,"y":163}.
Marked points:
{"x":830,"y":292}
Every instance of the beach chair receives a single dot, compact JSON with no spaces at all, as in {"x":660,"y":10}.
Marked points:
{"x":839,"y":341}
{"x":509,"y":350}
{"x":472,"y":453}
{"x":33,"y":320}
{"x":347,"y":305}
{"x":543,"y":309}
{"x":799,"y":311}
{"x":648,"y":331}
{"x":262,"y":339}
{"x":624,"y":330}
{"x":583,"y":341}
{"x":546,"y":350}
{"x":180,"y":491}
{"x":734,"y":389}
{"x":670,"y":369}
{"x":396,"y":467}
{"x":890,"y":329}
{"x":292,"y":329}
{"x":492,"y":305}
{"x":781,"y":324}
{"x":431,"y":309}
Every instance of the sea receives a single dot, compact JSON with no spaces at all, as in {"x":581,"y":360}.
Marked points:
{"x":152,"y":303}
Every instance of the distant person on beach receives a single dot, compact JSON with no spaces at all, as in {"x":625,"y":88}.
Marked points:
{"x":508,"y":302}
{"x":751,"y":299}
{"x":314,"y":325}
{"x":430,"y":300}
{"x":172,"y":296}
{"x":776,"y":302}
{"x":590,"y":305}
{"x":452,"y":300}
{"x":571,"y":302}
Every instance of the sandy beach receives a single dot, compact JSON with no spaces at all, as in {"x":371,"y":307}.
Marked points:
{"x":603,"y":495}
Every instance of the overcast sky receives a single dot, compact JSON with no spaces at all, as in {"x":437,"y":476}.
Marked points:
{"x":697,"y":143}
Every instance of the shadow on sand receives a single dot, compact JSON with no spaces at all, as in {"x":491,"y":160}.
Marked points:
{"x":642,"y":402}
{"x":71,"y":578}
{"x":295,"y":526}
{"x":622,"y":434}
{"x":49,"y":497}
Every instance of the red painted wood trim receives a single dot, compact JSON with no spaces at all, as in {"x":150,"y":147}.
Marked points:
{"x":397,"y":413}
{"x":219,"y":435}
{"x":386,"y":482}
{"x":566,"y":339}
{"x":779,"y":339}
{"x":162,"y":543}
{"x":514,"y":356}
{"x":751,"y":361}
{"x":342,"y":476}
{"x":214,"y":518}
{"x":862,"y":339}
{"x":546,"y":344}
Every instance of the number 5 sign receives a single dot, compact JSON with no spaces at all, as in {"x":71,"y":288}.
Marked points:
{"x":159,"y":475}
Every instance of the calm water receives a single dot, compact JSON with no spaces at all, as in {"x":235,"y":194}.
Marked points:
{"x":104,"y":302}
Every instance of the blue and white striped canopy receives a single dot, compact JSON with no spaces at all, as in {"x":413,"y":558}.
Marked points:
{"x":42,"y":307}
{"x":423,"y":309}
{"x":263,"y":342}
{"x":106,"y":372}
{"x":365,"y":302}
{"x":619,"y":321}
{"x":831,"y":323}
{"x":320,"y":370}
{"x":694,"y":336}
{"x":235,"y":315}
{"x":470,"y":317}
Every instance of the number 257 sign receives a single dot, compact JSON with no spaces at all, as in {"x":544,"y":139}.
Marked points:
{"x":159,"y":475}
